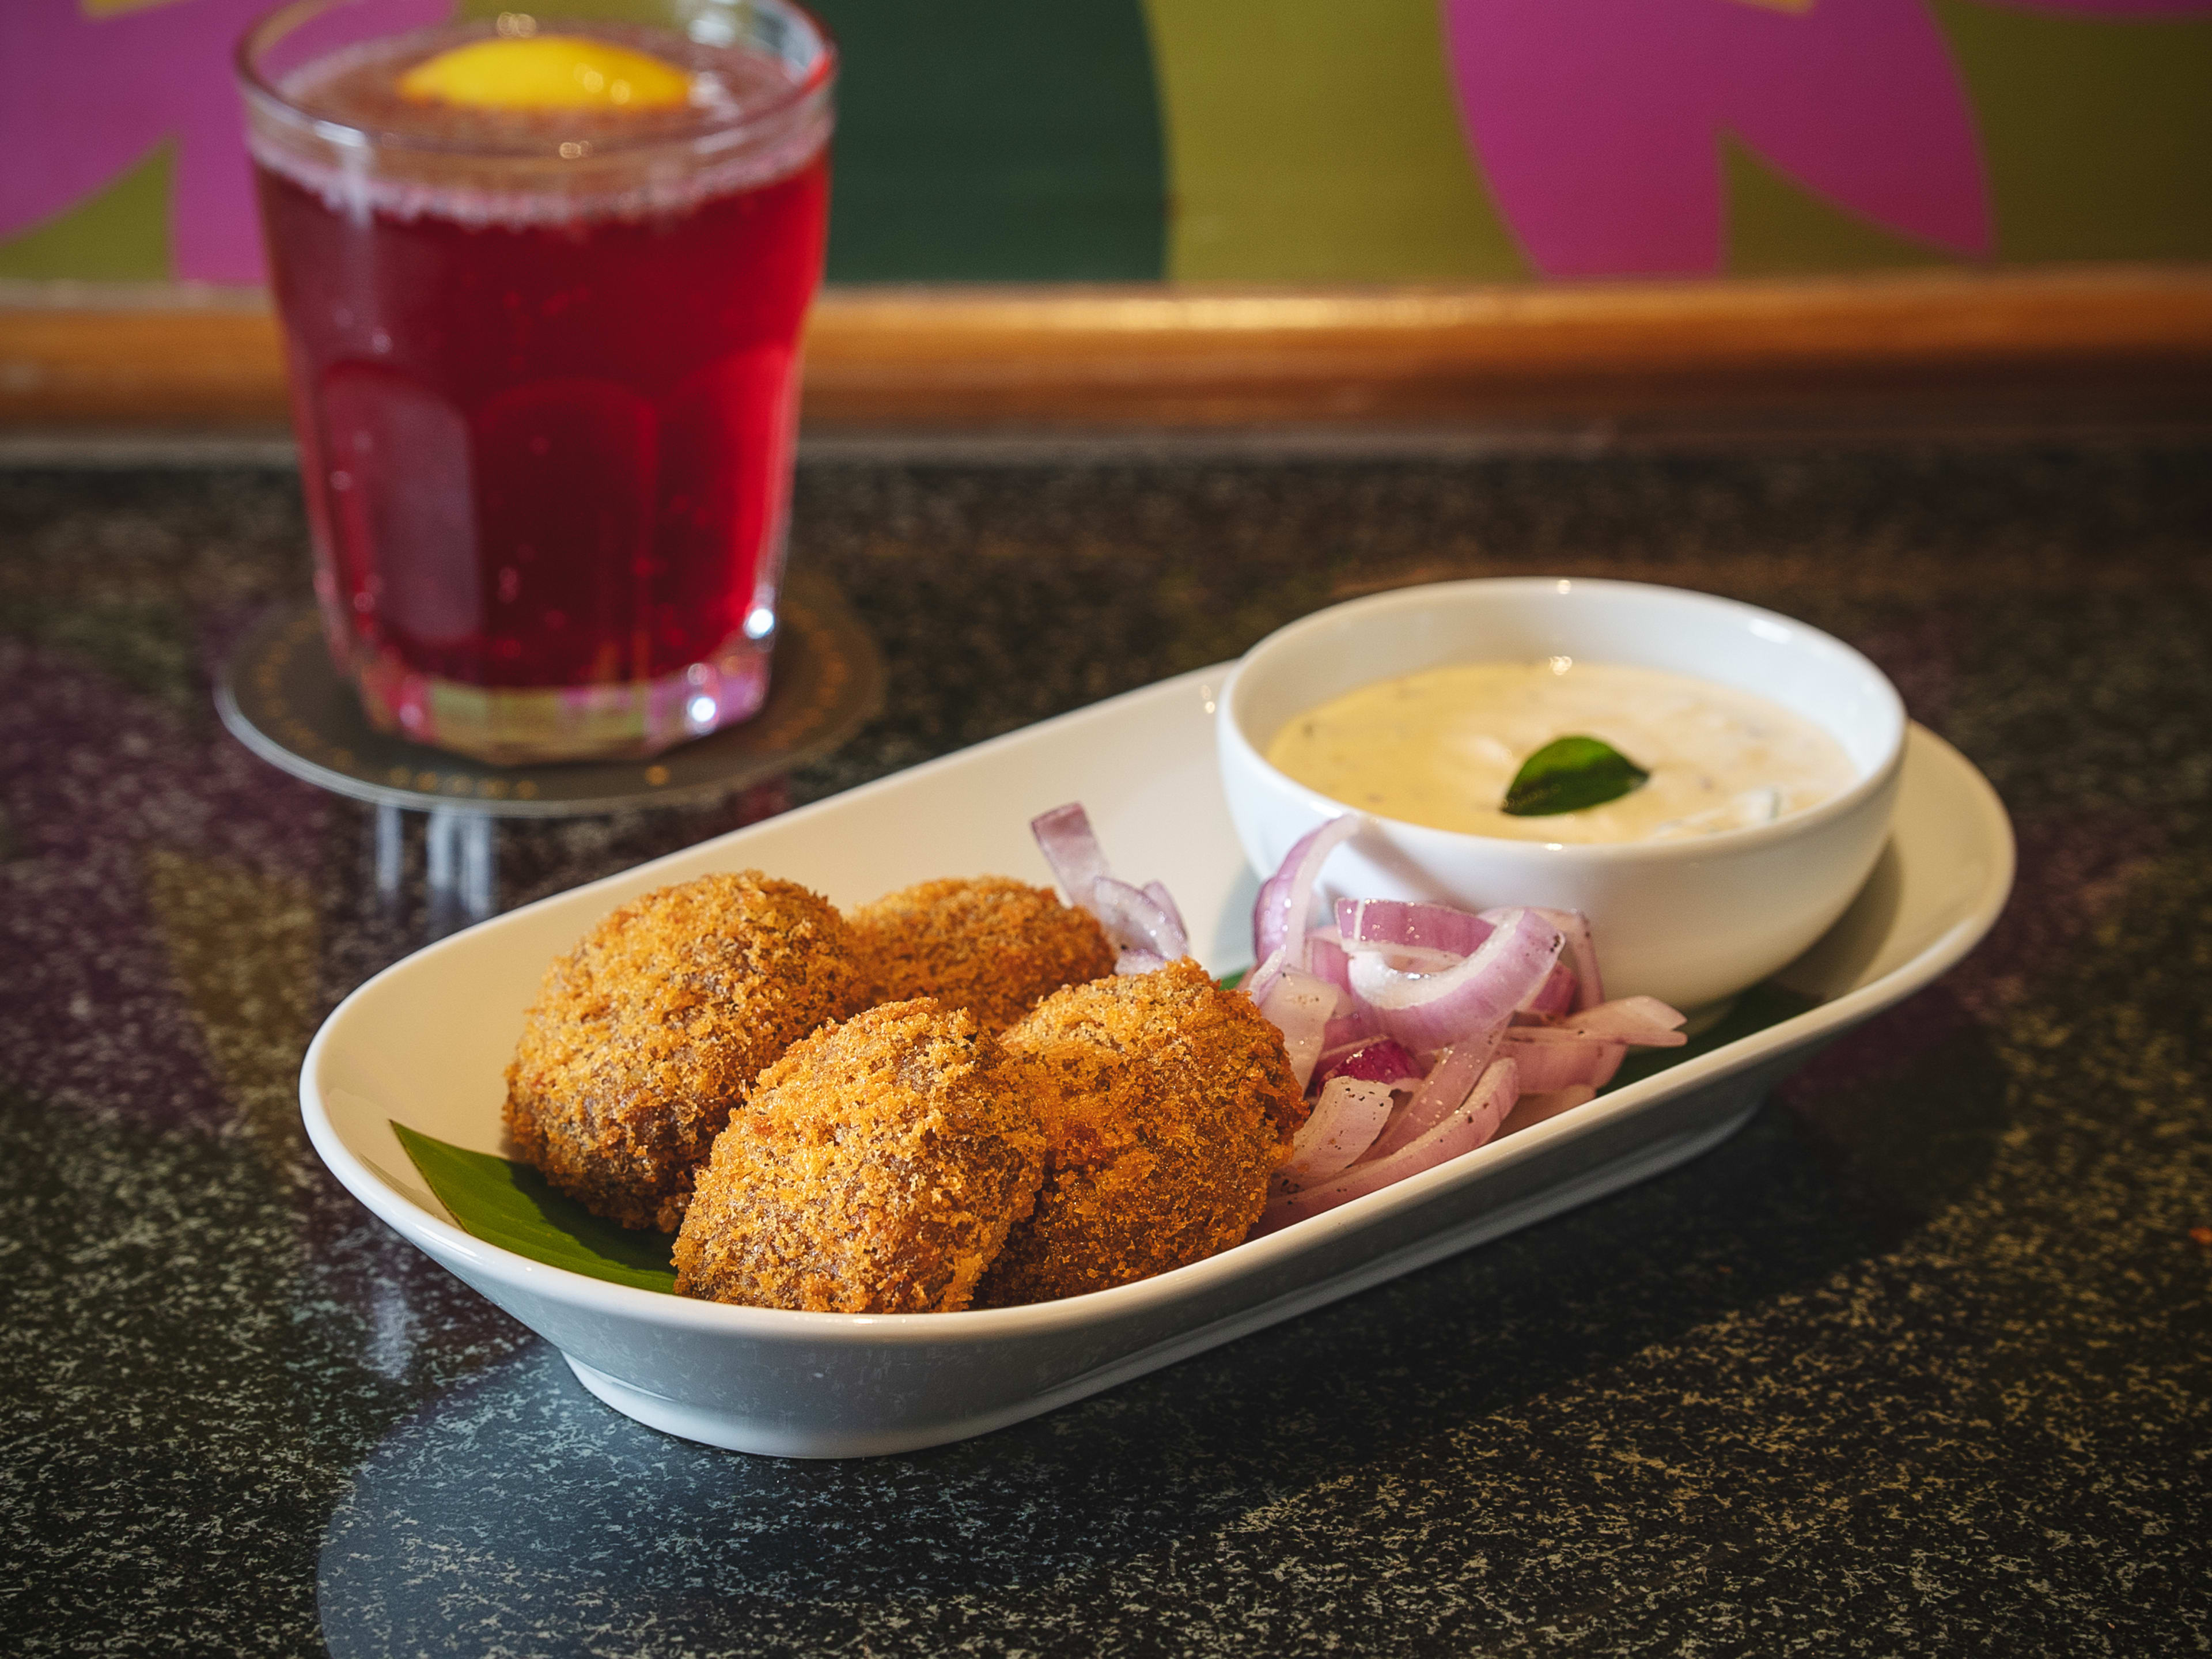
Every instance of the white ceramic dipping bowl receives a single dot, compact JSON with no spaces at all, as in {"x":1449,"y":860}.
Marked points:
{"x":1692,"y":921}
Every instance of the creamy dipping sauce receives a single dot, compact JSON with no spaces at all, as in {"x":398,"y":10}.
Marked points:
{"x":1440,"y":748}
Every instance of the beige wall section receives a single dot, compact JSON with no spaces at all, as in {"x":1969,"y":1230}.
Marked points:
{"x":1316,"y":141}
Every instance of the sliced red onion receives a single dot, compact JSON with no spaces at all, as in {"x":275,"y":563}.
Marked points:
{"x":1581,"y":952}
{"x":1342,"y":1124}
{"x":1533,"y":1108}
{"x":1143,"y":922}
{"x":1070,"y":846}
{"x":1550,"y":1058}
{"x":1325,"y":959}
{"x":1299,"y":1006}
{"x":1636,"y":1036}
{"x":1554,"y":997}
{"x":1349,"y":1031}
{"x":1157,"y":892}
{"x":1606,"y":1069}
{"x":1260,"y":981}
{"x":1477,"y":1119}
{"x":1434,"y":1011}
{"x":1644,"y":1021}
{"x":1414,"y":958}
{"x":1378,"y":1059}
{"x":1135,"y":920}
{"x":1271,"y":904}
{"x":1325,"y":1067}
{"x":1281,"y":912}
{"x":1451,"y":1080}
{"x":1392,"y":925}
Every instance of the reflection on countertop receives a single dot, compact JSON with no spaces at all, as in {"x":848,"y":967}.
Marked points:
{"x":1910,"y":1364}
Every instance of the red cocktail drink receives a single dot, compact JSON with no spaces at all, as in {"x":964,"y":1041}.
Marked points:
{"x":545,"y":368}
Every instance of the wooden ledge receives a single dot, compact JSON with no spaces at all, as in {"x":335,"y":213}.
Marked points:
{"x":1166,"y":356}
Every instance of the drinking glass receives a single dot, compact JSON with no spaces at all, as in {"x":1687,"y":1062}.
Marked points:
{"x":545,"y":363}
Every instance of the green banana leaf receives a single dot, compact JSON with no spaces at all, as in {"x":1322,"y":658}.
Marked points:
{"x":508,"y":1204}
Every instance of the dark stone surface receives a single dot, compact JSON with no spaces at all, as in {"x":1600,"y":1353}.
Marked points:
{"x":1915,"y":1364}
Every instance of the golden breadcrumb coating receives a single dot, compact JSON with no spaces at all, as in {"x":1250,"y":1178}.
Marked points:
{"x":1168,"y":1103}
{"x":991,"y":945}
{"x":645,"y":1036}
{"x":875,"y":1169}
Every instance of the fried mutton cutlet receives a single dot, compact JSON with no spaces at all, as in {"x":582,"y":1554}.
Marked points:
{"x":1167,"y":1103}
{"x":876,"y":1169}
{"x":647,"y":1035}
{"x":990,"y":945}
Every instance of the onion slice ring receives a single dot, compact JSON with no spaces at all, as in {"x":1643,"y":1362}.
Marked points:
{"x":1343,"y":1123}
{"x":1326,"y":959}
{"x":1392,"y":925}
{"x":1157,"y":892}
{"x":1283,"y":909}
{"x":1644,"y":1021}
{"x":1555,"y":997}
{"x":1581,"y":952}
{"x":1378,"y":1059}
{"x":1142,"y":922}
{"x":1070,"y":846}
{"x":1450,"y":1080}
{"x":1475,"y":1120}
{"x":1135,"y":920}
{"x":1299,"y":1006}
{"x":1550,"y":1058}
{"x":1428,"y":1011}
{"x":1348,"y":1030}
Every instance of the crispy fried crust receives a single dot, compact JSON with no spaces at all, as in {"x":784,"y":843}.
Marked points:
{"x":645,"y":1036}
{"x":1167,"y":1103}
{"x":876,"y":1169}
{"x":991,"y":945}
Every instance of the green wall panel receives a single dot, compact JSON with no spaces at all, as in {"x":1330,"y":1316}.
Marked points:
{"x":2098,"y":131}
{"x":1778,"y":228}
{"x":1313,"y":141}
{"x":995,"y":141}
{"x":119,"y":234}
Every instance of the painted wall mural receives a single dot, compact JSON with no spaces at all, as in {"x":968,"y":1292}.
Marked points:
{"x":1296,"y":139}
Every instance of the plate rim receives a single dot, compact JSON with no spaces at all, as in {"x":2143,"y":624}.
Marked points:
{"x":447,"y":1240}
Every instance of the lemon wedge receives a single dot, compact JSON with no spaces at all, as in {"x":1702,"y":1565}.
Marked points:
{"x":546,"y":71}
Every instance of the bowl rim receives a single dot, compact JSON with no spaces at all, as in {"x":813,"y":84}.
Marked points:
{"x":1231,"y":733}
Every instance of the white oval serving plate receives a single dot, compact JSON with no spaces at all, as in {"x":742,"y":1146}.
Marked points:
{"x":426,"y":1042}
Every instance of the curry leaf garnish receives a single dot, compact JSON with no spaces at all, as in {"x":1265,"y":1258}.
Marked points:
{"x":1569,"y":773}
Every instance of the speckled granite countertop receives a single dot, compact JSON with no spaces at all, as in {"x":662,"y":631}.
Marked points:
{"x":1919,"y":1363}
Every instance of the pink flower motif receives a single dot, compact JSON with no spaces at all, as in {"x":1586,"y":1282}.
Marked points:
{"x":88,"y":96}
{"x":1597,"y":122}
